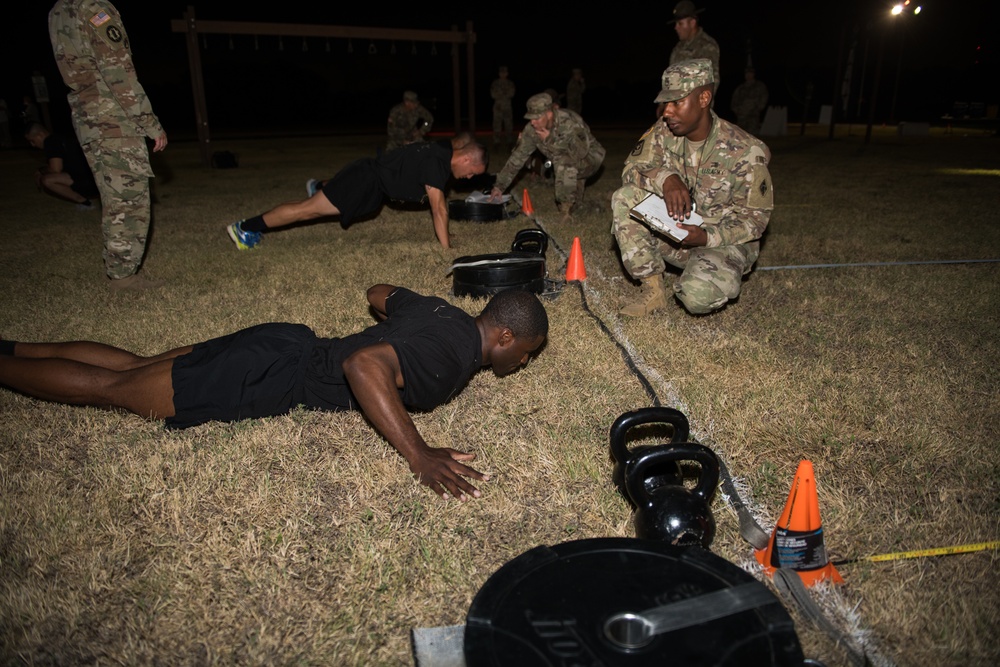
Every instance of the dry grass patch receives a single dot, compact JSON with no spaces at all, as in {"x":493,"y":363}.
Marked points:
{"x":303,"y":539}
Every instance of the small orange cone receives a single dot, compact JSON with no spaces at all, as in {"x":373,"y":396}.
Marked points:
{"x":574,"y":267}
{"x":526,"y":206}
{"x":797,"y":540}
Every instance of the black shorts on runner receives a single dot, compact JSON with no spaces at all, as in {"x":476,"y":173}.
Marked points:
{"x":256,"y":372}
{"x":355,"y":191}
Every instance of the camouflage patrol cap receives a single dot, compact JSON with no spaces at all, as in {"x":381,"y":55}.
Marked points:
{"x":682,"y":78}
{"x":410,"y":96}
{"x":538,"y":105}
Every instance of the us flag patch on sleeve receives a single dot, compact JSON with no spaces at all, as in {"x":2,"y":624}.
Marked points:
{"x":100,"y":18}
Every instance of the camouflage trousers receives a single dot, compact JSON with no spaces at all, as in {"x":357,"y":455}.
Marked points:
{"x":121,"y":168}
{"x":503,"y":123}
{"x":710,"y":277}
{"x":569,"y":178}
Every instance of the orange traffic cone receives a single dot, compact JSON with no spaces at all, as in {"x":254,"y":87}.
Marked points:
{"x":797,"y":540}
{"x":526,"y":206}
{"x":574,"y":267}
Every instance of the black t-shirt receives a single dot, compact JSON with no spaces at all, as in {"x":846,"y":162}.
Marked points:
{"x":438,"y":347}
{"x":74,"y":163}
{"x":404,"y":172}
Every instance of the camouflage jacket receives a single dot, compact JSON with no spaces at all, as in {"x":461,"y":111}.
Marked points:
{"x":731,"y":186}
{"x":502,"y":91}
{"x":403,"y":127}
{"x":569,"y":143}
{"x":750,"y":97}
{"x":699,"y":46}
{"x":94,"y":57}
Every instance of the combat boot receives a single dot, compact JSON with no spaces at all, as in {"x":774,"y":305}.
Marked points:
{"x":652,"y":298}
{"x":566,"y":209}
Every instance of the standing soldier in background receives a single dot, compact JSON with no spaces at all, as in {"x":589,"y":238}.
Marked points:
{"x":749,"y":101}
{"x":693,"y":42}
{"x":574,"y":91}
{"x":692,"y":157}
{"x":409,"y":121}
{"x":502,"y":91}
{"x":562,"y":137}
{"x":112,"y":117}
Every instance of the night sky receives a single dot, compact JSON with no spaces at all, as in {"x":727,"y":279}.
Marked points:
{"x":947,"y":53}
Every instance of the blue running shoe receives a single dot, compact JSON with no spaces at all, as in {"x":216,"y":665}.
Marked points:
{"x":244,"y":240}
{"x":312,"y":186}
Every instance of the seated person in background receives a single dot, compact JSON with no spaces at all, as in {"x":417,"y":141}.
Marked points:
{"x":419,"y":355}
{"x":66,"y":174}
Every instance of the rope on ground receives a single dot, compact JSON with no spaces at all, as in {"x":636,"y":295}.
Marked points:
{"x":787,"y":582}
{"x":857,"y":264}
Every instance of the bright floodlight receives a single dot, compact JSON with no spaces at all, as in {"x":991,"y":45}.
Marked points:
{"x":916,"y":10}
{"x":897,"y":10}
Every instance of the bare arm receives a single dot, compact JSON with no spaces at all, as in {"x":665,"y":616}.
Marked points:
{"x":55,"y":166}
{"x":375,"y":377}
{"x":377,"y":294}
{"x":439,"y":212}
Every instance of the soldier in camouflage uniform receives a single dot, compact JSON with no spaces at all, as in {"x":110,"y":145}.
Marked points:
{"x":562,"y":137}
{"x":112,"y":116}
{"x":408,"y":122}
{"x":502,"y":91}
{"x":691,"y":156}
{"x":749,"y":100}
{"x":574,"y":91}
{"x":693,"y":42}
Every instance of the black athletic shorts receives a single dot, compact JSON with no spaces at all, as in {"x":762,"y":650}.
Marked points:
{"x":355,"y":191}
{"x":84,"y":185}
{"x":256,"y":372}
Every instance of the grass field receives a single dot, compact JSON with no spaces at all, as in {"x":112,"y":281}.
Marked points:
{"x":302,"y":539}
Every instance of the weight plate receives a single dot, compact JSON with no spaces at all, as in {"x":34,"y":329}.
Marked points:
{"x":558,"y":605}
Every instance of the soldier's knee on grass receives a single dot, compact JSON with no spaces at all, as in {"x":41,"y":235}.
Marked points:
{"x":699,"y":296}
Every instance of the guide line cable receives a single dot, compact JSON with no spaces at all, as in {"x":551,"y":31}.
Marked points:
{"x":787,"y":582}
{"x":858,"y":264}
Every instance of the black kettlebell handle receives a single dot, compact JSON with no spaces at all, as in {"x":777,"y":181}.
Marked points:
{"x":654,"y":415}
{"x":530,"y":240}
{"x":635,"y":474}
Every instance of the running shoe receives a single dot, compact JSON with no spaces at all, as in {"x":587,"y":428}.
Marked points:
{"x":244,"y":240}
{"x":312,"y":186}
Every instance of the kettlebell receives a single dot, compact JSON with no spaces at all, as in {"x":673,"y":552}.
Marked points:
{"x":673,"y":513}
{"x":530,"y":240}
{"x":668,"y":473}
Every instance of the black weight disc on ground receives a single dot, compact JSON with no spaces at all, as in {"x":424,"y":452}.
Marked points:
{"x":477,"y":211}
{"x":552,"y":605}
{"x":484,"y":275}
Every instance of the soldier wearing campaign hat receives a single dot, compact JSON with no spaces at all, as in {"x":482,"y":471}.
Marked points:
{"x":694,"y":41}
{"x":694,"y":161}
{"x":565,"y":139}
